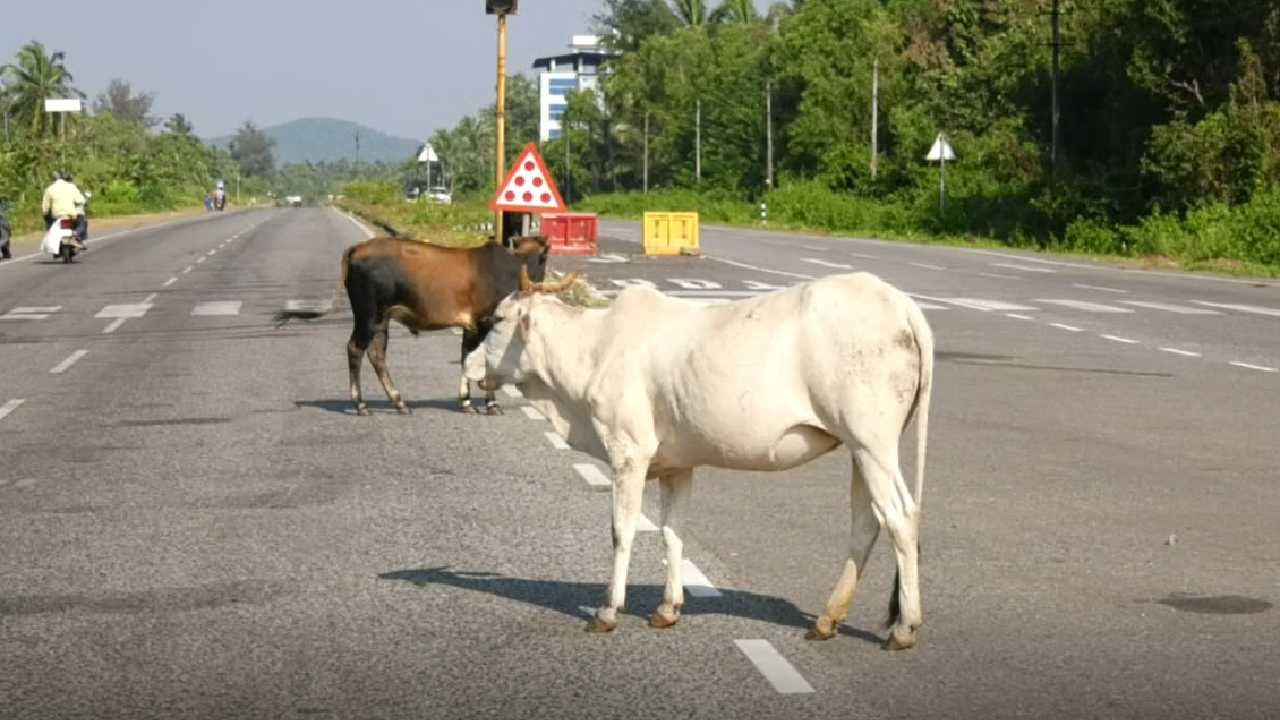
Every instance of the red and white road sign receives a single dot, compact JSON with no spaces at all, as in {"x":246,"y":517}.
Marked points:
{"x":528,"y":187}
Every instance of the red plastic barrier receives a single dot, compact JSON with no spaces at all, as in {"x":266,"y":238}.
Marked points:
{"x":572,"y":233}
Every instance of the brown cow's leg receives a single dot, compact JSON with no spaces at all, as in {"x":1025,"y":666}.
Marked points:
{"x":378,"y":356}
{"x":355,"y":355}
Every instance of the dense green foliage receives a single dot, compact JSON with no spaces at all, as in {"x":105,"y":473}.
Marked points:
{"x":457,"y":225}
{"x":1169,"y":137}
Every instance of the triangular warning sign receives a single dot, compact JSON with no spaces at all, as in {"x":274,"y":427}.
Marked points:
{"x":528,"y":187}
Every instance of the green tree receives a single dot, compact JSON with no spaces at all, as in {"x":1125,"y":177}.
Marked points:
{"x":253,"y":150}
{"x":179,"y":125}
{"x":625,"y":24}
{"x":120,"y":101}
{"x":33,"y":76}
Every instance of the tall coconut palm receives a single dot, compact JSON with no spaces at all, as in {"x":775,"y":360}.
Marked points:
{"x":735,"y":11}
{"x":33,"y":76}
{"x":692,"y":12}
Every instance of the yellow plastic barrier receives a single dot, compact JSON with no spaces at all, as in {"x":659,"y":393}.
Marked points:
{"x":671,"y":233}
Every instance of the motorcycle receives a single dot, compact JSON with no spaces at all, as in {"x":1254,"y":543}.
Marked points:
{"x":6,"y":232}
{"x":219,"y":200}
{"x":59,"y":242}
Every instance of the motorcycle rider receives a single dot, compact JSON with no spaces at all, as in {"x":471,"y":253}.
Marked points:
{"x":63,"y":199}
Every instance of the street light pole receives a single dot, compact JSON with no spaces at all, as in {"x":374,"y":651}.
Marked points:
{"x":501,"y":120}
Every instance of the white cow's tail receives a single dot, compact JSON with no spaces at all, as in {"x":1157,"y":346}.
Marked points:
{"x":924,"y":343}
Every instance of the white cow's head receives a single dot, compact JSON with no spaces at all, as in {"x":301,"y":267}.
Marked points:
{"x":510,"y":350}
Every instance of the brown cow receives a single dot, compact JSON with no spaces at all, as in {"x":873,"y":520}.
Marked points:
{"x":426,"y":287}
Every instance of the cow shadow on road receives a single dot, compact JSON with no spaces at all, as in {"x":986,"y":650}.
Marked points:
{"x":378,"y":407}
{"x":571,"y":598}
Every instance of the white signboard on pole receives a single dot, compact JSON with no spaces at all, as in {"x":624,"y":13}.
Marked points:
{"x":940,"y":153}
{"x":53,"y":105}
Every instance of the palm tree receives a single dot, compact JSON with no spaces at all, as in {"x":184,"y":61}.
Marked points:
{"x":735,"y":11}
{"x":34,"y":76}
{"x":692,"y":12}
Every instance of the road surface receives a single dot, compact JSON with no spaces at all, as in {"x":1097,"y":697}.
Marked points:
{"x":196,"y":525}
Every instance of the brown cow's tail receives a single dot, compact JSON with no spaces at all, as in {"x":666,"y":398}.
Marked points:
{"x":284,"y":316}
{"x":920,"y":409}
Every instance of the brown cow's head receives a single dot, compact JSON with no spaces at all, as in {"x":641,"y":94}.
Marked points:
{"x":533,"y":250}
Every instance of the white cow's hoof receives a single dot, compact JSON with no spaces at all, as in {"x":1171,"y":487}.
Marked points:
{"x":900,"y":638}
{"x":824,"y":629}
{"x":605,"y":620}
{"x":665,"y":617}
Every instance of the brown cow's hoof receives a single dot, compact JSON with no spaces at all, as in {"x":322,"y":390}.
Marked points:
{"x":665,"y":617}
{"x":823,"y":629}
{"x":605,"y":620}
{"x":900,"y":638}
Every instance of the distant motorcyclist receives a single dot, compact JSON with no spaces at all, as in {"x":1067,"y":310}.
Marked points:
{"x":63,"y":199}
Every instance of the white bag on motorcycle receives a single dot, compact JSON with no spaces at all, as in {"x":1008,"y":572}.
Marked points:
{"x":52,"y":242}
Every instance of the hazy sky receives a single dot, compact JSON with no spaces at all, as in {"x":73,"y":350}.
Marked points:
{"x":401,"y":66}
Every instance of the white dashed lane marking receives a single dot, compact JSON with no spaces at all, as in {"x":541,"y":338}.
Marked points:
{"x":201,"y":260}
{"x":644,"y":524}
{"x":1024,"y":268}
{"x":531,"y":413}
{"x":828,"y":264}
{"x":7,"y":408}
{"x":1176,"y":351}
{"x":217,"y":307}
{"x":1248,"y":366}
{"x":113,"y":326}
{"x":1016,"y":316}
{"x":1085,"y":306}
{"x":512,"y":392}
{"x":696,"y":583}
{"x":927,"y":266}
{"x":1117,"y":338}
{"x":1068,"y":328}
{"x":1178,"y":309}
{"x":556,"y":441}
{"x":1254,"y":309}
{"x":1098,"y":287}
{"x":38,"y":312}
{"x":169,"y":282}
{"x":66,"y":364}
{"x":188,"y":269}
{"x":212,"y":252}
{"x":781,"y":674}
{"x":592,"y":475}
{"x":981,"y":304}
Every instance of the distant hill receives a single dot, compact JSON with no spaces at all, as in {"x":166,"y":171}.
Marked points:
{"x":327,"y":140}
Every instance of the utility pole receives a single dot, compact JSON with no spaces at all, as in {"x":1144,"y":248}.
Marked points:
{"x":646,"y":151}
{"x":1055,"y":15}
{"x":768,"y":135}
{"x":875,"y":116}
{"x":697,"y":162}
{"x":357,"y":134}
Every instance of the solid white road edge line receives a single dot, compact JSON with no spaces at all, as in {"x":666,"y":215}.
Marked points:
{"x":781,"y":674}
{"x":66,"y":364}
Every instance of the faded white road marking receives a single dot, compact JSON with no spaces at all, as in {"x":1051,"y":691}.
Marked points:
{"x":1117,"y":338}
{"x":865,"y":256}
{"x":113,"y":326}
{"x":927,"y":266}
{"x":147,"y":300}
{"x":135,"y":310}
{"x":1255,"y":309}
{"x":1068,"y":328}
{"x":759,"y":269}
{"x":644,"y":524}
{"x":363,"y":228}
{"x":930,"y":306}
{"x":66,"y":364}
{"x":212,"y":252}
{"x":981,"y":304}
{"x":556,"y":441}
{"x":304,"y":305}
{"x":695,"y":284}
{"x":824,"y":263}
{"x":630,"y":282}
{"x":531,"y":413}
{"x":592,"y":475}
{"x":699,"y":293}
{"x":1098,"y":287}
{"x":1024,"y":268}
{"x":757,"y":285}
{"x":9,"y":407}
{"x":998,"y":275}
{"x":512,"y":392}
{"x":217,"y":307}
{"x":1084,"y":305}
{"x":37,"y":312}
{"x":1016,"y":316}
{"x":169,"y":282}
{"x":200,"y":261}
{"x":695,"y":583}
{"x":1263,"y":368}
{"x":1176,"y":351}
{"x":188,"y":269}
{"x":781,"y":674}
{"x":608,"y":258}
{"x":1179,"y":309}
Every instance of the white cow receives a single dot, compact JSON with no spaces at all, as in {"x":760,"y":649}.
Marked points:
{"x":656,"y":386}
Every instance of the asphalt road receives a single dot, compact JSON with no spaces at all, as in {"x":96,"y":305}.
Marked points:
{"x":195,"y":524}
